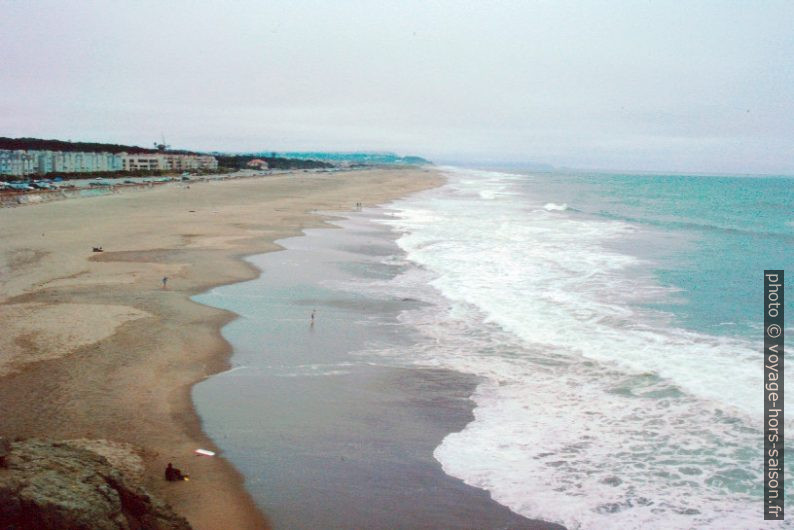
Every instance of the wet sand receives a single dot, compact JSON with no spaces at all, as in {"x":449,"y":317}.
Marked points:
{"x":330,"y":422}
{"x":99,"y":350}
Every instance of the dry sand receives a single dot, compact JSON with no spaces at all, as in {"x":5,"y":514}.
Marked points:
{"x":94,"y":349}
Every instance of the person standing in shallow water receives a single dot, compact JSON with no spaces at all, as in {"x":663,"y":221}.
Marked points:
{"x":312,"y":318}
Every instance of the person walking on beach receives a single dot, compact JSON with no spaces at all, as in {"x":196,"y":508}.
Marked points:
{"x":312,"y":318}
{"x":165,"y":280}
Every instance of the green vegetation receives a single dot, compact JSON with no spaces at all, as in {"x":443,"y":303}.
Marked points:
{"x":35,"y":144}
{"x":273,"y":162}
{"x":358,"y":159}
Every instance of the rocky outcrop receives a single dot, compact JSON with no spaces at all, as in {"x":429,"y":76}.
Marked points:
{"x":46,"y":484}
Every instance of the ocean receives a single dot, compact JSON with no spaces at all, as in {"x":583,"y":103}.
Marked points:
{"x":597,"y":339}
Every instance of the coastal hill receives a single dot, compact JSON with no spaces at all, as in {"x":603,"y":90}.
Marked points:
{"x":363,"y":158}
{"x":229,"y":161}
{"x":313,"y":160}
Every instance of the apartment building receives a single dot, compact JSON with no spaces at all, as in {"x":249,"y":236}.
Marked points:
{"x":17,"y":163}
{"x":167,"y":162}
{"x":143,"y":161}
{"x":77,"y":162}
{"x":21,"y":163}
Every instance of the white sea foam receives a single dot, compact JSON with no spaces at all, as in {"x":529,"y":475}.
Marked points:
{"x":554,"y":282}
{"x":553,"y":207}
{"x":593,"y":411}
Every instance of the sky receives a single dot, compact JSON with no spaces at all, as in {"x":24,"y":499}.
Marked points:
{"x":650,"y":85}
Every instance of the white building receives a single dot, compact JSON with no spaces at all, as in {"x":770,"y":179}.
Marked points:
{"x":257,"y":163}
{"x":17,"y":162}
{"x":77,"y":162}
{"x":207,"y":162}
{"x":20,"y":163}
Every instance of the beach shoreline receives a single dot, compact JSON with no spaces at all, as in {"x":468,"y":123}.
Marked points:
{"x":329,"y":421}
{"x":114,"y":350}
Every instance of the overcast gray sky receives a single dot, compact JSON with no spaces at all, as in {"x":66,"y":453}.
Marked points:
{"x":653,"y":85}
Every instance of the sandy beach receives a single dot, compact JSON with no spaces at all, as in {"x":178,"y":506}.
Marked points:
{"x":96,"y":348}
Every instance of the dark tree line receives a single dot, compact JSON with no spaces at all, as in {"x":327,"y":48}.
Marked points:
{"x":35,"y":144}
{"x":273,"y":162}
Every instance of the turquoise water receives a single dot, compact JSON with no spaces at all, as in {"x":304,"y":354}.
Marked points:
{"x":615,"y":322}
{"x":730,"y":228}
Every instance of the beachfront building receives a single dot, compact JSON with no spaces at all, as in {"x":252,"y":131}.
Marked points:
{"x":257,"y":163}
{"x":17,"y":163}
{"x":167,"y":162}
{"x":208,"y":162}
{"x":20,"y":163}
{"x":77,"y":162}
{"x":190,"y":162}
{"x":142,"y":161}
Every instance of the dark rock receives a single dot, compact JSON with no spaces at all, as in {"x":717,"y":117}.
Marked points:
{"x":49,"y":485}
{"x":5,"y":450}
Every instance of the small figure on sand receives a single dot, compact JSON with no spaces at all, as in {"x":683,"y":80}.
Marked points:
{"x":173,"y":474}
{"x":95,"y":249}
{"x":165,"y":281}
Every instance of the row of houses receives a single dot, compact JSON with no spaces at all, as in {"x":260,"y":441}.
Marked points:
{"x":20,"y":163}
